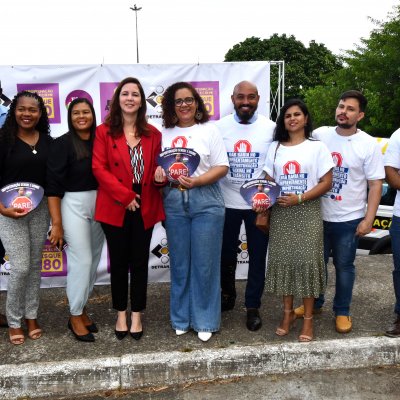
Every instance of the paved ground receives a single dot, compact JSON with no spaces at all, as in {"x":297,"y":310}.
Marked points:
{"x":379,"y":383}
{"x":55,"y":363}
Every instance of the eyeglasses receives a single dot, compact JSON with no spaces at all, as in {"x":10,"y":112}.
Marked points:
{"x":187,"y":100}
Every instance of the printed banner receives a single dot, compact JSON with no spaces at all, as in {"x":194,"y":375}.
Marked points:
{"x":60,"y":85}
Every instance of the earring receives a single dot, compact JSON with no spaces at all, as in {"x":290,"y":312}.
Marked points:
{"x":174,"y":119}
{"x":198,"y":115}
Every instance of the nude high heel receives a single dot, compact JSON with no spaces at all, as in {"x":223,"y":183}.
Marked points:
{"x":282,"y":332}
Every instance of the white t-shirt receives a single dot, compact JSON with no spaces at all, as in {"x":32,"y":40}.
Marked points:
{"x":392,"y":159}
{"x":247,"y":146}
{"x":357,"y":159}
{"x":205,"y":139}
{"x":298,"y":168}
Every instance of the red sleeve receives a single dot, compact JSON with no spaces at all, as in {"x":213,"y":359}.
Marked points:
{"x":102,"y":169}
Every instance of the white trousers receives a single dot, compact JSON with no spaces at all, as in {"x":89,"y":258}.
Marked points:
{"x":85,"y":240}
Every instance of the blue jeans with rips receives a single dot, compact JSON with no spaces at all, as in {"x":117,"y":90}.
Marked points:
{"x":340,"y":239}
{"x":194,"y":224}
{"x":395,"y":234}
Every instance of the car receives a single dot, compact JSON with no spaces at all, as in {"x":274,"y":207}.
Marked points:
{"x":379,"y":240}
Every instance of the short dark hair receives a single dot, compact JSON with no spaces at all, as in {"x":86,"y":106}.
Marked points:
{"x":80,"y":149}
{"x":280,"y":133}
{"x":355,"y":94}
{"x":168,"y":104}
{"x":114,"y":118}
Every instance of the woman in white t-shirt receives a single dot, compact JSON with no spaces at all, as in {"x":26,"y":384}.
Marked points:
{"x":195,"y":212}
{"x":303,"y":168}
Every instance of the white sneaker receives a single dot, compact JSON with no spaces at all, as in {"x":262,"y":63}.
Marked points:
{"x":179,"y":332}
{"x":204,"y":336}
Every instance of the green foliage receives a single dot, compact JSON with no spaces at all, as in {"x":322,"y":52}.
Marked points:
{"x":305,"y":67}
{"x":373,"y":68}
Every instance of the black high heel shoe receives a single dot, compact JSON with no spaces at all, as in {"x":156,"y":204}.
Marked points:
{"x":92,"y":328}
{"x":136,"y":335}
{"x":83,"y":338}
{"x":120,"y":334}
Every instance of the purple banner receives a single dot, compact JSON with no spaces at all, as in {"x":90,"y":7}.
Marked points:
{"x":209,"y":92}
{"x":51,"y":97}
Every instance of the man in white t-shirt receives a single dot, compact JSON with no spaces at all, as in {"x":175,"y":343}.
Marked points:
{"x":247,"y":136}
{"x":392,"y":169}
{"x":357,"y":182}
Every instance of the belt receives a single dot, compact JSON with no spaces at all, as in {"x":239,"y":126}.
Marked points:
{"x":177,"y":186}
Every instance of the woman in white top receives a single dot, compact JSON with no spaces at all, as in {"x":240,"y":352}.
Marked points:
{"x":195,"y":212}
{"x":303,"y":168}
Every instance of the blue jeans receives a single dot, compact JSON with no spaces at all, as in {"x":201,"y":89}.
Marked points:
{"x":340,"y":239}
{"x":257,"y":244}
{"x":194,"y":224}
{"x":395,"y":234}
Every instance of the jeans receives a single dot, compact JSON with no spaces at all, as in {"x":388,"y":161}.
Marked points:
{"x":340,"y":239}
{"x":257,"y":244}
{"x":194,"y":223}
{"x":395,"y":234}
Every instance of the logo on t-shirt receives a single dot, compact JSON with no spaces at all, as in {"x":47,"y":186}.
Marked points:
{"x":242,"y":146}
{"x":337,"y":159}
{"x":291,"y":167}
{"x":292,"y":180}
{"x":179,"y":141}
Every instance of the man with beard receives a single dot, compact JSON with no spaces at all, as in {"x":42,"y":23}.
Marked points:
{"x":247,"y":136}
{"x":357,"y":181}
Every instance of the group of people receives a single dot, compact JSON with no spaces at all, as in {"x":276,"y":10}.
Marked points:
{"x":105,"y":182}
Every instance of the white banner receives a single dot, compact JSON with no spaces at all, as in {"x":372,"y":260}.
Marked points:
{"x":59,"y":85}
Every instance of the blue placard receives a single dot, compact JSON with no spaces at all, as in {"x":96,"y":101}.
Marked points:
{"x":260,"y":193}
{"x":178,"y":161}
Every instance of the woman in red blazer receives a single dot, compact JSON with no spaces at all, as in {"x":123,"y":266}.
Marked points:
{"x":128,"y":202}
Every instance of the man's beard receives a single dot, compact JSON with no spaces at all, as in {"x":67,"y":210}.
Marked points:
{"x":247,"y":115}
{"x":345,"y":126}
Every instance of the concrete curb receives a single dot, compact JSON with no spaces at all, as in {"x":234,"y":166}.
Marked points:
{"x":167,"y":368}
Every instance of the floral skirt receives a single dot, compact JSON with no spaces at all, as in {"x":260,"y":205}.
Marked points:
{"x":295,"y":253}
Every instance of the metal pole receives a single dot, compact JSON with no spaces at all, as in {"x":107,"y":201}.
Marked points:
{"x":136,"y":9}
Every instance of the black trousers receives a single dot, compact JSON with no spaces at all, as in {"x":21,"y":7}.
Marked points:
{"x":128,"y":248}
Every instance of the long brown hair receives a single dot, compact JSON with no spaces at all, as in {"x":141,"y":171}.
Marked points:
{"x":114,"y":118}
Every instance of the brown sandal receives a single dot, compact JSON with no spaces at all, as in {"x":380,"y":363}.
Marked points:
{"x":16,"y":336}
{"x":34,"y":331}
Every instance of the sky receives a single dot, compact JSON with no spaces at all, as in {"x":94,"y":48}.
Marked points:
{"x":58,"y":32}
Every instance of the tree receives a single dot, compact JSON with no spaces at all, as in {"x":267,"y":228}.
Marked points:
{"x":373,"y":67}
{"x":305,"y":67}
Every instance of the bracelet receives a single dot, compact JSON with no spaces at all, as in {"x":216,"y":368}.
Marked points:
{"x":300,"y":199}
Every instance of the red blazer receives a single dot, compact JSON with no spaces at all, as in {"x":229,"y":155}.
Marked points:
{"x":113,"y":171}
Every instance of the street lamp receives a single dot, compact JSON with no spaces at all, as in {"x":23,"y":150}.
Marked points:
{"x":136,"y":9}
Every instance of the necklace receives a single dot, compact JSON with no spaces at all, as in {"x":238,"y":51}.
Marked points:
{"x":33,"y":148}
